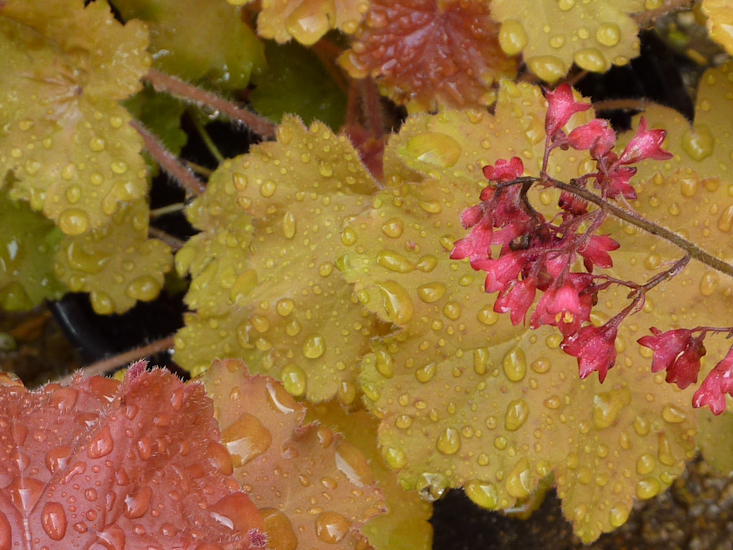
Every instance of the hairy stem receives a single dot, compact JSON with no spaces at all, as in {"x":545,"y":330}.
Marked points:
{"x":635,"y":219}
{"x":189,"y":92}
{"x":168,"y":209}
{"x":168,"y":161}
{"x":100,"y":367}
{"x":174,"y":242}
{"x":644,"y":18}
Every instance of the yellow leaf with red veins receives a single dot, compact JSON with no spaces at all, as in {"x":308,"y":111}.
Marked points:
{"x":265,"y":289}
{"x":313,"y":488}
{"x":425,"y":53}
{"x":307,"y":20}
{"x":551,"y":35}
{"x":67,"y":140}
{"x":116,"y":264}
{"x":405,"y":525}
{"x":720,"y":22}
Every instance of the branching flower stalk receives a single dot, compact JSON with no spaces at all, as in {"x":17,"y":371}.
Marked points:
{"x":540,"y":254}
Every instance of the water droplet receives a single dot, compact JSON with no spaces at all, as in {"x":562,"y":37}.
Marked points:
{"x":648,"y":488}
{"x":268,"y":188}
{"x":332,"y":527}
{"x":517,"y":412}
{"x":348,"y":236}
{"x":435,"y":148}
{"x":518,"y":483}
{"x":431,"y":207}
{"x":53,"y":519}
{"x":240,"y":181}
{"x":394,"y":261}
{"x":243,"y":285}
{"x":137,"y":504}
{"x":294,"y":379}
{"x":645,"y":464}
{"x":393,"y":228}
{"x":512,"y":37}
{"x":430,"y":486}
{"x":515,"y":364}
{"x":101,"y":444}
{"x":285,"y":307}
{"x":664,"y":451}
{"x":310,"y":21}
{"x":566,"y":5}
{"x":246,"y":439}
{"x":289,"y":225}
{"x":480,"y":360}
{"x":641,"y":426}
{"x":482,"y":493}
{"x":96,"y":144}
{"x":591,"y":59}
{"x":220,"y":457}
{"x":144,"y":288}
{"x":698,"y":142}
{"x":557,"y":41}
{"x":73,"y":221}
{"x":449,"y":441}
{"x":396,"y":301}
{"x":452,"y":310}
{"x":385,"y":363}
{"x":549,"y":68}
{"x":431,"y":292}
{"x":280,"y":534}
{"x":314,"y":347}
{"x":608,"y":34}
{"x":487,"y":316}
{"x":725,"y":222}
{"x":425,"y":373}
{"x":618,"y":515}
{"x":403,"y":421}
{"x":708,"y":284}
{"x":607,"y":405}
{"x":395,"y":457}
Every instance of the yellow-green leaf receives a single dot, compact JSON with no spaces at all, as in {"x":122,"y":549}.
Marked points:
{"x":551,"y":35}
{"x":117,"y":264}
{"x":276,"y":300}
{"x":313,"y":487}
{"x":28,"y":242}
{"x":66,"y":139}
{"x":197,"y":39}
{"x":720,"y":22}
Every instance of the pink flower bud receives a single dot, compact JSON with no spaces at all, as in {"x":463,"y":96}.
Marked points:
{"x":595,"y":136}
{"x":594,"y":347}
{"x":646,"y":144}
{"x":716,"y":384}
{"x":561,"y":106}
{"x":503,"y":171}
{"x":596,"y":249}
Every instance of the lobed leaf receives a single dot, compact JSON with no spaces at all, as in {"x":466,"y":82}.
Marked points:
{"x":198,"y":40}
{"x":313,"y":488}
{"x":307,"y":20}
{"x":466,"y":399}
{"x":552,"y":35}
{"x":276,"y":300}
{"x":100,"y":463}
{"x":117,"y":264}
{"x":66,"y":140}
{"x":28,"y":242}
{"x":425,"y":53}
{"x":719,"y":19}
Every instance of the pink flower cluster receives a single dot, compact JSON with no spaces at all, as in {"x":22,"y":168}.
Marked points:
{"x":536,"y":254}
{"x":679,"y":352}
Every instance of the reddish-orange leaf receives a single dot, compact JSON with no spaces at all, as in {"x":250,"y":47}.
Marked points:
{"x":135,"y":465}
{"x":428,"y":52}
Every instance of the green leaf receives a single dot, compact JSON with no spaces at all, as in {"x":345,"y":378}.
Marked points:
{"x":197,"y":39}
{"x":161,"y":114}
{"x":265,"y":289}
{"x":28,"y":242}
{"x":296,"y":82}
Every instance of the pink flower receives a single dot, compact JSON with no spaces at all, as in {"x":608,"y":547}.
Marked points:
{"x":616,"y":182}
{"x":595,"y":136}
{"x":594,"y":347}
{"x":716,"y":384}
{"x":561,"y":106}
{"x":667,"y":346}
{"x":685,"y":369}
{"x":500,"y":272}
{"x":646,"y":144}
{"x":503,"y":171}
{"x":517,"y":299}
{"x":596,"y":250}
{"x":558,"y":305}
{"x":478,"y":243}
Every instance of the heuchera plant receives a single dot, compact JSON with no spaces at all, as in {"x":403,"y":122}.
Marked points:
{"x":534,"y":253}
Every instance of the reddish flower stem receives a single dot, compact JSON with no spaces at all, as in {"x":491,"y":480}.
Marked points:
{"x":189,"y":92}
{"x":694,"y":251}
{"x":100,"y":367}
{"x":646,"y":17}
{"x":168,"y":161}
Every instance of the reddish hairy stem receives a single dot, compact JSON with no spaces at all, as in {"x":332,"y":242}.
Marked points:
{"x":669,"y":6}
{"x":100,"y":367}
{"x":189,"y":92}
{"x":168,"y":161}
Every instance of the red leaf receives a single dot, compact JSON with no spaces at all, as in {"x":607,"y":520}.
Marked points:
{"x":119,"y":466}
